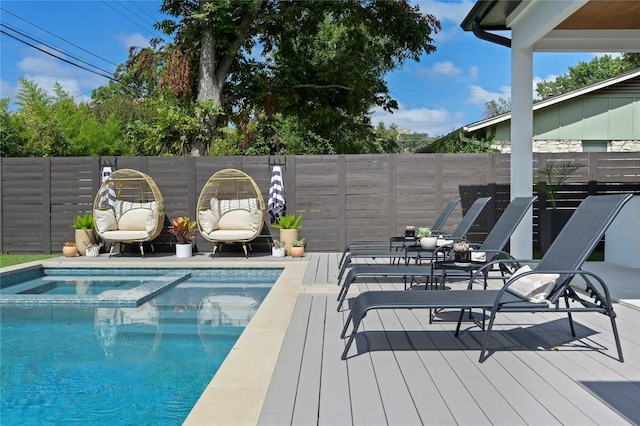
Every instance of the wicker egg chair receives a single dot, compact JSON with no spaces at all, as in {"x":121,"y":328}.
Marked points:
{"x":128,"y":209}
{"x":230,"y":209}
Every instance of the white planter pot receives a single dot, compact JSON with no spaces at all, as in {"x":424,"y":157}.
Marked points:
{"x":184,"y":250}
{"x":277,"y":252}
{"x":428,"y":243}
{"x":93,"y":251}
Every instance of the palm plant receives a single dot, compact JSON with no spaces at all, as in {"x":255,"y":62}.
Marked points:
{"x":553,"y":175}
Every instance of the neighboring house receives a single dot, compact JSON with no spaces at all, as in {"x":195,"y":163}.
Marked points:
{"x":604,"y":117}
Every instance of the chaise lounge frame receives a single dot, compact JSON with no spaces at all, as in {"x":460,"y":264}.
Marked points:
{"x":565,"y":257}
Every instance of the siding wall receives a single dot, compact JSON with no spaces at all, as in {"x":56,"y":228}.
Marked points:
{"x":342,"y":198}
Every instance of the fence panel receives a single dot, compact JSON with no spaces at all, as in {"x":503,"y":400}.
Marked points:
{"x":342,"y":197}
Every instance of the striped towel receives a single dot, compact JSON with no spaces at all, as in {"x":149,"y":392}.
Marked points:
{"x":107,"y":192}
{"x":275,"y":205}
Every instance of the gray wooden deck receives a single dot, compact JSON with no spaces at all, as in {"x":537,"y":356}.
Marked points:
{"x":402,"y":375}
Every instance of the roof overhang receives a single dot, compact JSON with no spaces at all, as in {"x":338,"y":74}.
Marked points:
{"x":561,"y":26}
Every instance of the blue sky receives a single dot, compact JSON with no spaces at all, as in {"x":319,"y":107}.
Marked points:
{"x":442,"y":92}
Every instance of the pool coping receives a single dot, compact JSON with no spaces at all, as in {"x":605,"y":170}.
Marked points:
{"x":236,"y":393}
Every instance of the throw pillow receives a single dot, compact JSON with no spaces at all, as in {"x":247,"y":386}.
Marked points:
{"x":532,"y":287}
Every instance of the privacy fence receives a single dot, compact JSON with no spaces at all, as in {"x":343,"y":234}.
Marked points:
{"x":342,"y":197}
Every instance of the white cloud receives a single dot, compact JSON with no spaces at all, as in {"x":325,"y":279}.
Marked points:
{"x":478,"y":95}
{"x":45,"y":71}
{"x":136,"y":39}
{"x":445,"y":68}
{"x":447,"y":11}
{"x":448,"y":69}
{"x":435,"y":122}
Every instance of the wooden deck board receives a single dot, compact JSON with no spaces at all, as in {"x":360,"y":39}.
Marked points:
{"x":408,"y":371}
{"x":308,"y":393}
{"x":335,"y":403}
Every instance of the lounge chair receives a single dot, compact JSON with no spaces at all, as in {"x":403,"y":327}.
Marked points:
{"x":436,"y":229}
{"x":459,"y":234}
{"x":564,"y":258}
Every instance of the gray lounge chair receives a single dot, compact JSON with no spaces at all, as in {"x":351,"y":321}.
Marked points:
{"x":436,"y":229}
{"x":393,"y":270}
{"x":565,"y":257}
{"x":459,"y":234}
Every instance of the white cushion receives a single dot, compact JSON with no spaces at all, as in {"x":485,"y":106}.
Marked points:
{"x":105,"y":220}
{"x":123,"y":206}
{"x":255,"y":219}
{"x":125,"y":236}
{"x":231,"y":235}
{"x":208,"y":221}
{"x":235,"y":220}
{"x":533,"y":286}
{"x":134,"y":220}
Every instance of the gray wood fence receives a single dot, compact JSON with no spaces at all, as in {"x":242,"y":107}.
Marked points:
{"x":342,"y":198}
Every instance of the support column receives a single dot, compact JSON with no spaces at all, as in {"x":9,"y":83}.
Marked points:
{"x":522,"y":143}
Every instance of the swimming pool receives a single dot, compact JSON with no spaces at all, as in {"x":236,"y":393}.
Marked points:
{"x":148,"y":364}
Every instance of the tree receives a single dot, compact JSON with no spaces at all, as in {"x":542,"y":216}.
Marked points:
{"x":586,"y":73}
{"x":493,"y":107}
{"x":323,"y":62}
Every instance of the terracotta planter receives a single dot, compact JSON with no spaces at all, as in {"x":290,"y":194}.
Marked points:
{"x":287,"y":236}
{"x":84,"y":237}
{"x":297,"y":251}
{"x":70,"y":251}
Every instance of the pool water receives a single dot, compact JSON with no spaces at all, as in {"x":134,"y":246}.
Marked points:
{"x":124,"y":365}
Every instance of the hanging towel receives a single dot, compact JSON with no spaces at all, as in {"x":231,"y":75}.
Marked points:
{"x":276,"y":203}
{"x":108,"y":192}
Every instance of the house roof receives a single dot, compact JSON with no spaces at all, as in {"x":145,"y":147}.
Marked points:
{"x":556,"y":99}
{"x":593,"y":15}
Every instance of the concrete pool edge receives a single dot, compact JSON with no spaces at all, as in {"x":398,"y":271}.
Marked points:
{"x":236,"y":393}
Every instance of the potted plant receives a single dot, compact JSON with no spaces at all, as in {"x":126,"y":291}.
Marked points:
{"x":288,"y":226}
{"x":69,"y":249}
{"x":550,"y":180}
{"x":277,"y":248}
{"x":297,"y":248}
{"x":553,"y":175}
{"x":85,"y":235}
{"x":461,"y":252}
{"x":183,"y":228}
{"x":427,"y":242}
{"x":93,"y":249}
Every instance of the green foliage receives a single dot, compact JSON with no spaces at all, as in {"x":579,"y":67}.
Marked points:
{"x":298,"y":243}
{"x":586,"y":73}
{"x":553,"y":175}
{"x":493,"y":107}
{"x":424,"y":232}
{"x":54,"y":125}
{"x":289,"y":222}
{"x":324,"y":64}
{"x":16,"y":259}
{"x":11,"y":140}
{"x":460,"y":144}
{"x":83,"y":222}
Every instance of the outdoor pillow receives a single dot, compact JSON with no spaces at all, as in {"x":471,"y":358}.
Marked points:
{"x":533,"y":286}
{"x":208,"y":221}
{"x":105,"y":220}
{"x":235,"y":220}
{"x":134,"y":220}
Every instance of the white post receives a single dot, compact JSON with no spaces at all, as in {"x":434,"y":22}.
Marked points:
{"x":522,"y":143}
